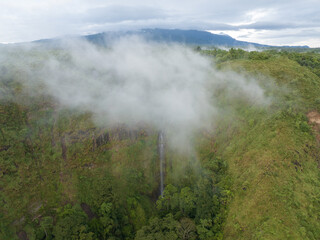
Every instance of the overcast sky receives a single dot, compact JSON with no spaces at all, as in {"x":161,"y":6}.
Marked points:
{"x":273,"y":22}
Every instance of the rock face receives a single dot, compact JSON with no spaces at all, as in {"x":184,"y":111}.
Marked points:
{"x":314,"y":117}
{"x":314,"y":120}
{"x":102,"y":139}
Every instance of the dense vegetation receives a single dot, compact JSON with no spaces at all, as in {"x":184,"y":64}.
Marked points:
{"x":273,"y":155}
{"x":255,"y":176}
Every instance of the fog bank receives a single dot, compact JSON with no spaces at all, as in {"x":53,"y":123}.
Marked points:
{"x":132,"y":82}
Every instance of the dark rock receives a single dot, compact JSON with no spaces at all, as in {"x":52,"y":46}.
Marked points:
{"x":102,"y":139}
{"x":86,"y":208}
{"x":22,"y":235}
{"x":5,"y":148}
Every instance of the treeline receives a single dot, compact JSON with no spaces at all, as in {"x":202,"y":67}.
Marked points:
{"x":309,"y":59}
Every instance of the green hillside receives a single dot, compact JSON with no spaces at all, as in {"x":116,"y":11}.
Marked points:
{"x":274,"y":157}
{"x":254,"y":175}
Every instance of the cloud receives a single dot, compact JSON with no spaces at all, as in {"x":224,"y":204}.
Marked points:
{"x":294,"y":36}
{"x":118,"y":13}
{"x":268,"y":26}
{"x":135,"y":82}
{"x":23,"y":20}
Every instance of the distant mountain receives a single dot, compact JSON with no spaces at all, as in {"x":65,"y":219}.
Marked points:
{"x":189,"y":37}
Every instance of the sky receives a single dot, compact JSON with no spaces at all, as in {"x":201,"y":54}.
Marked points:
{"x":281,"y":22}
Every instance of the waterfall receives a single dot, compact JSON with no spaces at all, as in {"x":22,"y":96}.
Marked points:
{"x":161,"y":160}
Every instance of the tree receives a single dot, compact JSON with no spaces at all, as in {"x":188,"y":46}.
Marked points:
{"x":159,"y":229}
{"x":187,"y":229}
{"x":187,"y":202}
{"x":136,"y":213}
{"x":204,"y":229}
{"x":107,"y":219}
{"x":170,"y":200}
{"x":71,"y":222}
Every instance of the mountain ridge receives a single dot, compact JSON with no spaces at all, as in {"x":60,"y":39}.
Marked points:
{"x":188,"y":37}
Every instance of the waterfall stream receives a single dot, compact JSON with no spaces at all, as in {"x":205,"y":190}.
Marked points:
{"x":161,"y":160}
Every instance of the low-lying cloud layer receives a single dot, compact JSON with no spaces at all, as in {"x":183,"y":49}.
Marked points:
{"x":134,"y":82}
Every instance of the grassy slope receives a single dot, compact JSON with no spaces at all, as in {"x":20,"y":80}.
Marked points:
{"x":272,"y":158}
